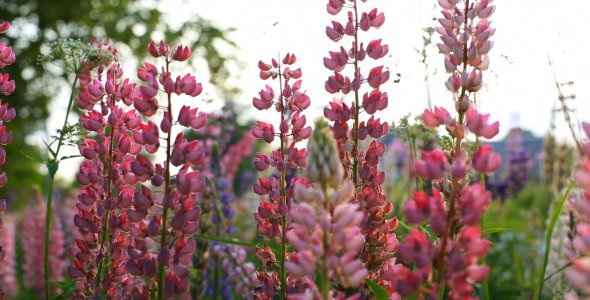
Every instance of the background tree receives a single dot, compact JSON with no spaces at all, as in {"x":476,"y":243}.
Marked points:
{"x":131,"y":24}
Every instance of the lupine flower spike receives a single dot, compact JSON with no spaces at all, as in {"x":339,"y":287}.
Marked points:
{"x":325,"y":231}
{"x":289,"y":101}
{"x":454,"y":208}
{"x":350,"y":125}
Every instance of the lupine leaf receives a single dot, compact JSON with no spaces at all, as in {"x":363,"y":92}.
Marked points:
{"x":378,"y":291}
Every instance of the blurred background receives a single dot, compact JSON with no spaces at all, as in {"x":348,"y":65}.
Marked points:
{"x":228,"y":38}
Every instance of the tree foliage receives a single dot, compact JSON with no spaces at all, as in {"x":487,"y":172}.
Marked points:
{"x":131,"y":24}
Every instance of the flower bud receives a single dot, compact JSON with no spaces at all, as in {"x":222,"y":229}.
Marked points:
{"x":324,"y":164}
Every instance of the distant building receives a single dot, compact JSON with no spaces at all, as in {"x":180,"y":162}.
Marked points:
{"x":518,"y":138}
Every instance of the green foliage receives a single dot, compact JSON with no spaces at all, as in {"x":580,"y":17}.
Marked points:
{"x":67,"y":288}
{"x":378,"y":292}
{"x":414,"y":130}
{"x":541,"y":271}
{"x":516,"y":227}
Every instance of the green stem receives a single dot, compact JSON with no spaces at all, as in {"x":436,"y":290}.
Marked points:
{"x":53,"y":165}
{"x":355,"y":148}
{"x":282,"y":272}
{"x":47,"y":226}
{"x":324,"y":278}
{"x":541,"y":276}
{"x":486,"y":286}
{"x":163,"y":244}
{"x":70,"y":103}
{"x":456,"y":185}
{"x":414,"y":153}
{"x":105,"y":222}
{"x":569,"y":264}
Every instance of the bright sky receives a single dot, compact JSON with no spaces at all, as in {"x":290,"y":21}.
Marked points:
{"x":519,"y":82}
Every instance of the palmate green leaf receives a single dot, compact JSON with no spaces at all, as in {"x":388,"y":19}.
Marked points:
{"x":378,"y":291}
{"x":225,"y":241}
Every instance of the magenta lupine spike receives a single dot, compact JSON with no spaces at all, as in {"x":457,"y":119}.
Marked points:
{"x":161,"y":227}
{"x":33,"y":241}
{"x":104,"y":177}
{"x":7,"y":114}
{"x":8,"y":283}
{"x":349,"y":126}
{"x":289,"y":100}
{"x":455,"y":214}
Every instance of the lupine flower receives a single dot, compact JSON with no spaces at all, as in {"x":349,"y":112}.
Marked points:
{"x":7,"y":114}
{"x":486,"y":161}
{"x":272,"y":212}
{"x":432,"y":165}
{"x":478,"y":124}
{"x":438,"y":116}
{"x":458,"y":250}
{"x":117,"y":212}
{"x":348,"y":78}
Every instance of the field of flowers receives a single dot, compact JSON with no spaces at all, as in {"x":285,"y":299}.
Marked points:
{"x":172,"y":201}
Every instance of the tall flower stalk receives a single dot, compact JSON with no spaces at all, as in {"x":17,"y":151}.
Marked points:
{"x":272,"y":218}
{"x":454,"y":208}
{"x":7,"y":114}
{"x":75,"y":58}
{"x":179,"y":205}
{"x":325,"y":231}
{"x":105,"y":179}
{"x":350,"y":128}
{"x":134,"y":242}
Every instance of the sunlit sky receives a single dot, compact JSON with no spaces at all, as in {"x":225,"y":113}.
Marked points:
{"x":519,"y":88}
